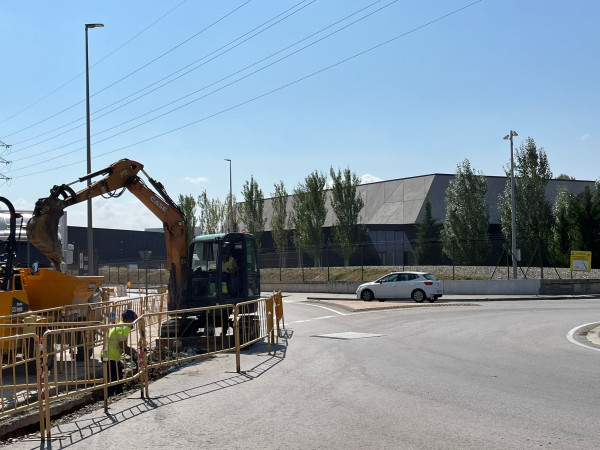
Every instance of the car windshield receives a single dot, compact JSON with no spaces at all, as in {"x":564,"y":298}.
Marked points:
{"x":430,"y":277}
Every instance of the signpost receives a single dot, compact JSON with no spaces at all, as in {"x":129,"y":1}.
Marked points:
{"x":581,"y":261}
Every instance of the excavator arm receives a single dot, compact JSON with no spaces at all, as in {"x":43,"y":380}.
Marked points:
{"x":42,"y":228}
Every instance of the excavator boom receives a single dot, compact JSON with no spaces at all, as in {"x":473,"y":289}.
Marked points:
{"x":42,"y":228}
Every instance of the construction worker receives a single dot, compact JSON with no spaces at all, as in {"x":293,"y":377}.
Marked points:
{"x":116,"y":347}
{"x":229,"y":269}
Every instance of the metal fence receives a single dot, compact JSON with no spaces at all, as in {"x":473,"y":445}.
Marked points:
{"x":309,"y":273}
{"x":61,"y":360}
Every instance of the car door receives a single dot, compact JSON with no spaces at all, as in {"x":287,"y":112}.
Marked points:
{"x":412,"y":281}
{"x":388,"y":286}
{"x":403,"y":286}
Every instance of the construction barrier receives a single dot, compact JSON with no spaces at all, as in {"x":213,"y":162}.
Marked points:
{"x":20,"y":383}
{"x":58,"y":360}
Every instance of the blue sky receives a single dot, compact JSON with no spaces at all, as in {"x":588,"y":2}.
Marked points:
{"x":402,"y":94}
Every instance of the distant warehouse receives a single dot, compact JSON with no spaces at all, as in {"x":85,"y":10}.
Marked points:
{"x":392,"y":210}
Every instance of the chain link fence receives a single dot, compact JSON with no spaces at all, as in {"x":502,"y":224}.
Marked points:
{"x":366,"y":261}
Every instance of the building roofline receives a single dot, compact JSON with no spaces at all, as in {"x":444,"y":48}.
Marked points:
{"x":439,"y":174}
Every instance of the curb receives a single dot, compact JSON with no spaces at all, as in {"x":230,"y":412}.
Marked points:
{"x":389,"y":305}
{"x":482,"y":298}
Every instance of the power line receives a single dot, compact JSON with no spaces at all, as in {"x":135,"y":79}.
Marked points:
{"x":170,"y":75}
{"x":282,"y":87}
{"x":98,"y":62}
{"x":216,"y":82}
{"x":134,"y":72}
{"x":223,"y":79}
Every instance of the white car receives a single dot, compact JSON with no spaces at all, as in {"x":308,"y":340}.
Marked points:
{"x":419,"y":286}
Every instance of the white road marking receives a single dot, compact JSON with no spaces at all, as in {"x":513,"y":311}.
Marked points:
{"x":328,"y":309}
{"x":337,"y":312}
{"x":572,"y":339}
{"x":348,"y":335}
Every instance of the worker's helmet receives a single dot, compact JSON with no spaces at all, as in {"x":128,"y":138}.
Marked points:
{"x":128,"y":314}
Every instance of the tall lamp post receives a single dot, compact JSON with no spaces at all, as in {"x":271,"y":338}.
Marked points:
{"x":90,"y":229}
{"x":230,"y":199}
{"x":513,"y":247}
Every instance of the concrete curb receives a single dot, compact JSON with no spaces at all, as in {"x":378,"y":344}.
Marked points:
{"x":475,"y":298}
{"x":385,"y":306}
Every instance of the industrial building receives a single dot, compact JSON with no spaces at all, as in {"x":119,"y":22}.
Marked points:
{"x":393,"y":208}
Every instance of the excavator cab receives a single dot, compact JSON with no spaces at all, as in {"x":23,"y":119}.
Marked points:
{"x":223,"y":269}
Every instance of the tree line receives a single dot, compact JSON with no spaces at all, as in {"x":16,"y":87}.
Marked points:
{"x":301,"y":225}
{"x":545,"y":233}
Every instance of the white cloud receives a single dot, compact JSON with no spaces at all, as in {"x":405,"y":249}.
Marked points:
{"x":368,"y":178}
{"x":197,"y":180}
{"x":586,"y":136}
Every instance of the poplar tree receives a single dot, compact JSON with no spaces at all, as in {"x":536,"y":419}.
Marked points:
{"x":429,"y":247}
{"x":533,"y":211}
{"x":213,"y":214}
{"x":251,"y":212}
{"x":346,"y":205}
{"x":308,"y":215}
{"x":187,"y":204}
{"x":279,"y":221}
{"x":465,"y":229}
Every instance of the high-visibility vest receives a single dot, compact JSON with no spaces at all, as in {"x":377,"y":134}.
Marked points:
{"x":116,"y":335}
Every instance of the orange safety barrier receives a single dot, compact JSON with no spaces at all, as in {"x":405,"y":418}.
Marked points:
{"x":72,"y":358}
{"x":20,"y":381}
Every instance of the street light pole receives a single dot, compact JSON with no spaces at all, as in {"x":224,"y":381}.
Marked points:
{"x":512,"y":204}
{"x":90,"y":229}
{"x":230,"y":199}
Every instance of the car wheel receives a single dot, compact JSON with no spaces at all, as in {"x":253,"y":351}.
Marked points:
{"x":367,"y":295}
{"x":418,"y":296}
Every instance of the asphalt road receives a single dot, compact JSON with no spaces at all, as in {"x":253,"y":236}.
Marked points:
{"x":485,"y":375}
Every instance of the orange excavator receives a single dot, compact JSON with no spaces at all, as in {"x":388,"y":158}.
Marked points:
{"x":199,"y":274}
{"x":42,"y":228}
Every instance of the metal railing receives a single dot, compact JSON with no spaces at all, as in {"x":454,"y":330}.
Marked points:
{"x":20,"y":382}
{"x":69,"y":358}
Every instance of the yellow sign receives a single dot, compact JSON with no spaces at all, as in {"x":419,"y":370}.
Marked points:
{"x":581,"y":261}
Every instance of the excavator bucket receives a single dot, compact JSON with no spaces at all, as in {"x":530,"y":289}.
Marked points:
{"x":42,"y":228}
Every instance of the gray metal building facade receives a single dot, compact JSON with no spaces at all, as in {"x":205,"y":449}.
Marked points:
{"x":393,"y":208}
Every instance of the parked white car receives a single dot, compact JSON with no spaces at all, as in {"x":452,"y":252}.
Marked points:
{"x":419,"y":286}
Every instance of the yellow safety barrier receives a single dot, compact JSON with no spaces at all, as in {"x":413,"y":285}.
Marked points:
{"x":98,"y":311}
{"x":72,"y":358}
{"x":278,"y":298}
{"x":20,"y":383}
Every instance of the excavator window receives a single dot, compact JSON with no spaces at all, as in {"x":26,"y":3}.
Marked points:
{"x":204,"y":266}
{"x":17,"y":285}
{"x":209,"y":282}
{"x":203,"y":257}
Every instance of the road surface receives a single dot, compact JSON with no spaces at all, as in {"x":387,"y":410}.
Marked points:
{"x":491,"y":375}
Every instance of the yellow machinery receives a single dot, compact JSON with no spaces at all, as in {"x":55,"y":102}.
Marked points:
{"x":49,"y":288}
{"x":26,"y":290}
{"x":13,"y":298}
